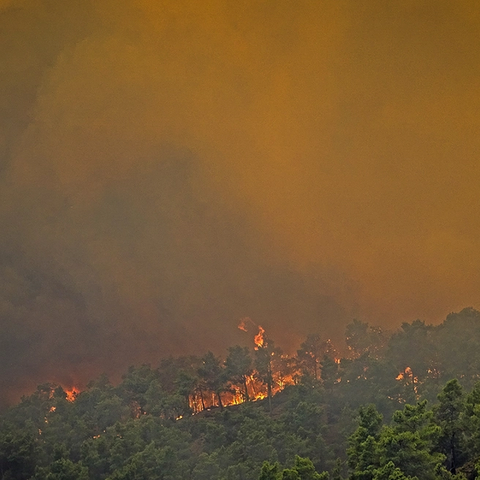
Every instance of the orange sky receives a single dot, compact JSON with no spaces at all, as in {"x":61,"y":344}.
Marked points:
{"x":168,"y":167}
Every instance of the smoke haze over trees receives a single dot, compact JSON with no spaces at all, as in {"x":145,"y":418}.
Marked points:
{"x":170,"y":167}
{"x":365,"y":417}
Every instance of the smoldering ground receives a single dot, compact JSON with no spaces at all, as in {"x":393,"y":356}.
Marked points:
{"x":171,"y":167}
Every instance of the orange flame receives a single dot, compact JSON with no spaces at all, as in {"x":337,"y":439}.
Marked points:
{"x":243,"y":325}
{"x":407,"y":373}
{"x":72,"y":394}
{"x":259,"y":339}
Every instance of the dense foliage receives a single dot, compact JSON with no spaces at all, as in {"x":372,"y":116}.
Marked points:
{"x":397,"y":406}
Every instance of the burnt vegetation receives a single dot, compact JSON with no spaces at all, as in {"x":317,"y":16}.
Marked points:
{"x":398,"y":405}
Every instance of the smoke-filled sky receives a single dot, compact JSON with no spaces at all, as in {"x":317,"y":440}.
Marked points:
{"x":168,"y":167}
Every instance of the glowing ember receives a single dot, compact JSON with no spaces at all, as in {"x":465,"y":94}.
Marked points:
{"x":407,"y":373}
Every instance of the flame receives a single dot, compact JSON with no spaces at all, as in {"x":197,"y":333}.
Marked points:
{"x":259,"y":339}
{"x":72,"y":394}
{"x":260,"y":396}
{"x":407,"y":373}
{"x":243,"y":325}
{"x":410,"y":379}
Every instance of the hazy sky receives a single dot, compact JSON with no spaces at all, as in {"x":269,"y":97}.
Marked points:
{"x":169,"y":167}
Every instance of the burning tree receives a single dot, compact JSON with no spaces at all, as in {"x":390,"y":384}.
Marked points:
{"x":212,"y":375}
{"x":265,"y":353}
{"x":239,"y":368}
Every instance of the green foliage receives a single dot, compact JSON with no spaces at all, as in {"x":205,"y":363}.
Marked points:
{"x":18,"y":452}
{"x":361,"y":339}
{"x":143,"y":428}
{"x":364,"y":452}
{"x":408,"y":444}
{"x":310,"y":354}
{"x":458,"y":345}
{"x":390,"y":472}
{"x":270,"y":471}
{"x":207,"y":467}
{"x":448,"y":415}
{"x":62,"y":469}
{"x":303,"y":469}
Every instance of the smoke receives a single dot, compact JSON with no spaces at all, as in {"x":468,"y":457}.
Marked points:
{"x":169,"y":167}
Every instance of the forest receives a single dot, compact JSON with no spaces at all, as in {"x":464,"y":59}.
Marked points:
{"x":394,"y":405}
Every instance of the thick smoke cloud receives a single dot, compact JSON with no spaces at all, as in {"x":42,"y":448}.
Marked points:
{"x":170,"y":167}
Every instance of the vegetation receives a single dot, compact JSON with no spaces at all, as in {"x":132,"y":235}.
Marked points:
{"x":399,"y":406}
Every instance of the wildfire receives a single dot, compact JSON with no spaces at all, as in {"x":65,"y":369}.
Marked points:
{"x":259,"y":338}
{"x":409,"y":378}
{"x":72,"y":394}
{"x":243,"y":324}
{"x":407,"y":373}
